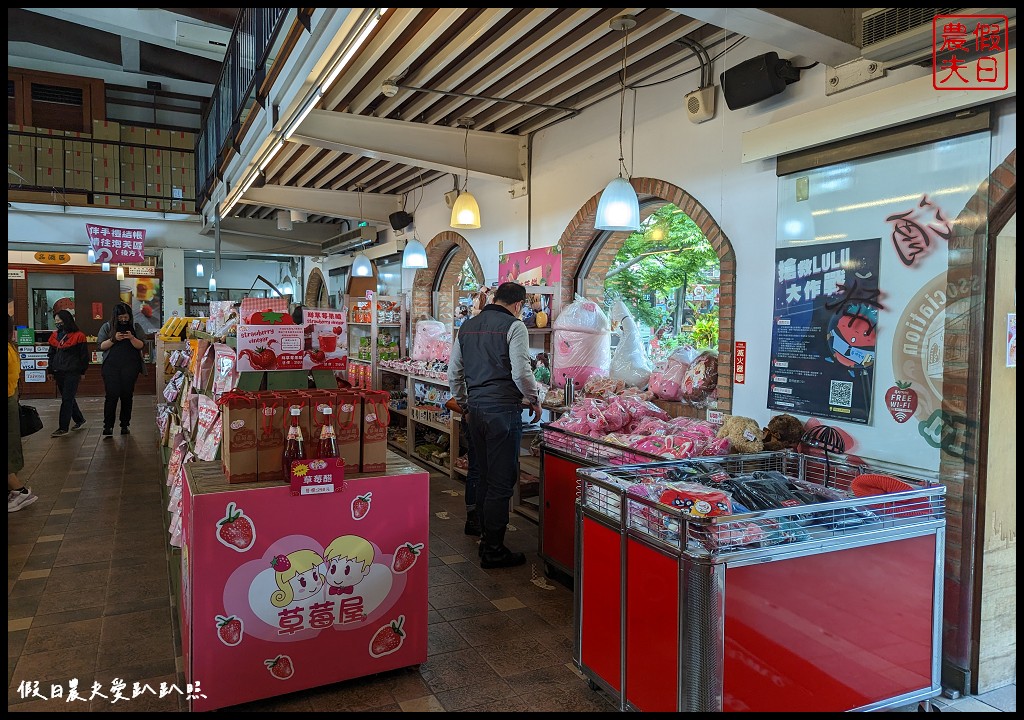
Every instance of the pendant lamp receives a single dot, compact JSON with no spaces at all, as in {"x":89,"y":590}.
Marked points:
{"x":361,"y":266}
{"x":465,"y":210}
{"x":105,"y":267}
{"x":91,"y":255}
{"x":415,"y":255}
{"x":120,"y":272}
{"x":213,"y":283}
{"x":199,"y":269}
{"x":619,"y":207}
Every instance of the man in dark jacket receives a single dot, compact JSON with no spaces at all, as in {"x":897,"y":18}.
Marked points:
{"x":489,"y":371}
{"x":68,"y":361}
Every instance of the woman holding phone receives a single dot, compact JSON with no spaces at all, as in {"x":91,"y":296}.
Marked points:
{"x":121,"y":345}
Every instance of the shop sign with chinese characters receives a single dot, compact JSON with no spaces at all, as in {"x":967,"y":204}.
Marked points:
{"x":52,"y":258}
{"x":970,"y":52}
{"x":117,"y":245}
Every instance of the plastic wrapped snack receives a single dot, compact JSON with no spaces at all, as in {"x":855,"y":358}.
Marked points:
{"x":630,"y":362}
{"x":700,"y":382}
{"x":431,"y":341}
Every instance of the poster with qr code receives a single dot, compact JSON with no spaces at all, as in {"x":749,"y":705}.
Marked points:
{"x":824,"y":329}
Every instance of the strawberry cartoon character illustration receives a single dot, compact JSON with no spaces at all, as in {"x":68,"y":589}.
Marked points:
{"x":361,"y":506}
{"x":229,"y":630}
{"x":405,"y":557}
{"x":388,"y":638}
{"x":280,"y":667}
{"x":901,"y":401}
{"x":236,"y":531}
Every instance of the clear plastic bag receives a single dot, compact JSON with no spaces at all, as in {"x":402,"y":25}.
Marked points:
{"x":431,"y":341}
{"x":630,"y":362}
{"x":582,"y":339}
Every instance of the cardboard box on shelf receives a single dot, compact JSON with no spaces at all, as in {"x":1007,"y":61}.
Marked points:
{"x":106,"y":130}
{"x":113,"y":201}
{"x":184,"y":140}
{"x":158,"y":138}
{"x":133,"y":134}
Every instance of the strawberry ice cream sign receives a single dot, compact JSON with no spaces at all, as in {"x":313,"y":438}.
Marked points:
{"x":115,"y":244}
{"x":290,"y":592}
{"x":269,"y":347}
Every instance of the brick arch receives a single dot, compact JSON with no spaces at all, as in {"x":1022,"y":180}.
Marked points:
{"x":579,"y":237}
{"x":316,"y":283}
{"x":423,"y":286}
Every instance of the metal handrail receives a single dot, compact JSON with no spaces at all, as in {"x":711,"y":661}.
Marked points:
{"x":244,"y":69}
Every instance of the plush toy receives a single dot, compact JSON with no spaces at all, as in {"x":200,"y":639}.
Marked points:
{"x":480,"y":300}
{"x":783,"y":433}
{"x":744,"y":434}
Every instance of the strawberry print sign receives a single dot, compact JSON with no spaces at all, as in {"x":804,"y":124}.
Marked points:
{"x":326,"y":591}
{"x":269,"y":347}
{"x":318,"y":476}
{"x":325,"y":339}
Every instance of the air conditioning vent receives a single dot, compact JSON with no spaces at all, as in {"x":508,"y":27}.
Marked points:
{"x":906,"y":35}
{"x":883,"y":23}
{"x":350,"y":240}
{"x":57,"y":95}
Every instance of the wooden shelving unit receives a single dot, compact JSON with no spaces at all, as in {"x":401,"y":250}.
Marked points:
{"x":368,"y":320}
{"x":390,"y":379}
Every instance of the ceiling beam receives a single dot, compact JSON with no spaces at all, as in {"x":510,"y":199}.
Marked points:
{"x":376,"y":207}
{"x":825,"y":35}
{"x":428,"y":146}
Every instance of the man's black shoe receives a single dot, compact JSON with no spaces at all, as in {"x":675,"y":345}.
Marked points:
{"x":500,"y":557}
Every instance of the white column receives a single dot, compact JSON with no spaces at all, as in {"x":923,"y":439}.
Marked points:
{"x":174,"y":281}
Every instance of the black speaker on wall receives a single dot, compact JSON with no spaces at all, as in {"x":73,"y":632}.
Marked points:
{"x":756,"y":79}
{"x":400,"y":220}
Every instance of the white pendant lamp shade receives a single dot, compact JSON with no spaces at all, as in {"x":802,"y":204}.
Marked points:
{"x":415,"y":255}
{"x":618,"y":208}
{"x":105,"y":267}
{"x":362,"y":267}
{"x":91,"y":255}
{"x":199,"y":269}
{"x":213,"y":284}
{"x":465,"y":212}
{"x":120,"y":272}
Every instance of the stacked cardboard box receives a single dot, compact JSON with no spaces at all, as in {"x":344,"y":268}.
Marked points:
{"x":50,"y":158}
{"x":21,"y":154}
{"x":133,"y":174}
{"x":77,"y":160}
{"x":182,"y":177}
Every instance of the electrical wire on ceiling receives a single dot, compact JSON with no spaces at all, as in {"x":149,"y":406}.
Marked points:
{"x":711,"y":62}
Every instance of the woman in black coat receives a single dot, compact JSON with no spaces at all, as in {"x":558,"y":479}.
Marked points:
{"x":69,"y":359}
{"x":120,"y":340}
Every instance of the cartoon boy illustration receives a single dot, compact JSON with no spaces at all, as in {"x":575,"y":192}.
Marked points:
{"x":298,"y":576}
{"x":348,"y":559}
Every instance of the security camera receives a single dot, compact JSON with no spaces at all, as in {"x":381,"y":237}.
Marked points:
{"x":389,"y":88}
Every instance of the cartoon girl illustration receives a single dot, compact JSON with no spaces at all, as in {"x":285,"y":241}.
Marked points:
{"x":348,"y":559}
{"x":298,"y":576}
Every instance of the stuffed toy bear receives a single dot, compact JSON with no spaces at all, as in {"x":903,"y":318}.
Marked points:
{"x":743,"y":433}
{"x":783,"y":433}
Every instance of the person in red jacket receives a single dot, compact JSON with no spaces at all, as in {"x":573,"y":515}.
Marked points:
{"x":69,"y":359}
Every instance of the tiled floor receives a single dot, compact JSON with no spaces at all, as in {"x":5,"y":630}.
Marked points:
{"x":89,"y":597}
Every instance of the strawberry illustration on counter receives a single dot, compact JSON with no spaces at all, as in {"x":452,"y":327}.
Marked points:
{"x":388,"y":638}
{"x":236,"y":531}
{"x":405,"y":557}
{"x":263,"y":358}
{"x":229,"y":630}
{"x":280,"y":667}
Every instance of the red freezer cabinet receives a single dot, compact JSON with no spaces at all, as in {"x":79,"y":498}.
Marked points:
{"x":829,"y":606}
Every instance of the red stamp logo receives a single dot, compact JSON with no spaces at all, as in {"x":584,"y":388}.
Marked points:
{"x":970,"y":52}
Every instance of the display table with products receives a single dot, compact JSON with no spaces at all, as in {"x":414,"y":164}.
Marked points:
{"x":827,"y":606}
{"x":283,"y":592}
{"x":562,"y":453}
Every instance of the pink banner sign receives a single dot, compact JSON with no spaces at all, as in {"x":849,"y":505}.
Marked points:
{"x":116,"y":245}
{"x":270,"y":347}
{"x":539,"y":267}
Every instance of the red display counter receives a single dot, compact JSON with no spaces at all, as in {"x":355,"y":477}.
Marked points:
{"x":283,"y":592}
